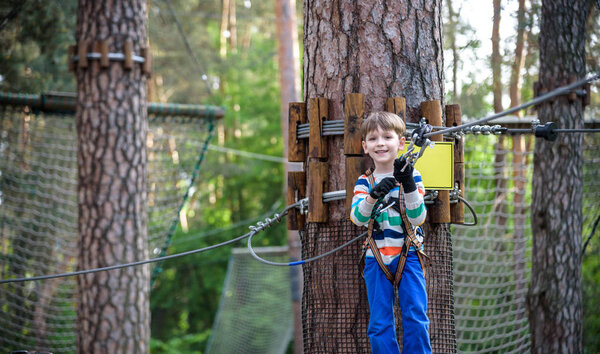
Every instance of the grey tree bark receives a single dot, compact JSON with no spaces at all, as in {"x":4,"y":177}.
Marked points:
{"x":554,"y":299}
{"x":113,"y":310}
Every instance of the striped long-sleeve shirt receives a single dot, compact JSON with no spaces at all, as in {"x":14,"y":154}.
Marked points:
{"x":390,"y":236}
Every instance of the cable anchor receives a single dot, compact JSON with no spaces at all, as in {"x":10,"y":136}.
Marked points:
{"x":546,"y":131}
{"x":418,"y":139}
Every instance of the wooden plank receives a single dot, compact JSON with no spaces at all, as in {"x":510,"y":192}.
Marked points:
{"x":572,"y":96}
{"x":457,"y":210}
{"x":147,"y":65}
{"x":296,"y":147}
{"x":296,"y":192}
{"x":318,"y":175}
{"x":82,"y":49}
{"x":439,"y":211}
{"x":396,"y":105}
{"x":354,"y":112}
{"x":128,"y":52}
{"x":453,"y":119}
{"x":588,"y":92}
{"x":353,"y":171}
{"x":317,"y":113}
{"x":71,"y":54}
{"x":103,"y":49}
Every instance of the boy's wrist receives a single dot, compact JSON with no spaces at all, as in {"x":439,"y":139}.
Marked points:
{"x":370,"y":200}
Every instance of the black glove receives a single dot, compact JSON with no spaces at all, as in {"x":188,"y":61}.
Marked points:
{"x":404,"y":177}
{"x":382,"y":188}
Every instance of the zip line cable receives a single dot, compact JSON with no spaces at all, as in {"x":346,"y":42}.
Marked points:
{"x":124,"y":265}
{"x":253,"y":230}
{"x":556,"y":92}
{"x":197,"y":236}
{"x":302,"y":261}
{"x":252,"y":155}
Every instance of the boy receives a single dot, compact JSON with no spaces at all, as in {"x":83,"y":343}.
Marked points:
{"x":383,"y":137}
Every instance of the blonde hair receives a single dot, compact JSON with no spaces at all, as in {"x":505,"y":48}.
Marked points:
{"x":383,"y":120}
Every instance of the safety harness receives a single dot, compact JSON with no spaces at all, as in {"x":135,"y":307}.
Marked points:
{"x":410,"y":239}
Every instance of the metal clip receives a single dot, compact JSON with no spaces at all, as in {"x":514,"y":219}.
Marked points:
{"x":386,"y":207}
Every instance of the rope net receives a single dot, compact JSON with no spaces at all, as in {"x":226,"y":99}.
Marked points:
{"x":38,"y":215}
{"x":255,"y":311}
{"x":492,"y":259}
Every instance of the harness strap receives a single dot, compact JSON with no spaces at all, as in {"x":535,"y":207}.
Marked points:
{"x":410,"y":239}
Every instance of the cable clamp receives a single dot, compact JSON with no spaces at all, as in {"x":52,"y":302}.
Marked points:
{"x":431,"y":196}
{"x":418,"y":133}
{"x":454,"y":194}
{"x":303,"y":206}
{"x":546,"y":131}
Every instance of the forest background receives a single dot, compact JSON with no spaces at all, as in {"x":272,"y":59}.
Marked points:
{"x":237,"y":68}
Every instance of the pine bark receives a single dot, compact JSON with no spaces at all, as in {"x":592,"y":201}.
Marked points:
{"x":554,"y":299}
{"x":113,"y":310}
{"x":380,"y":49}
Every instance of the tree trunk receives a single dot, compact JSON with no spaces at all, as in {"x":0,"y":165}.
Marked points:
{"x":224,"y":26}
{"x":554,"y":299}
{"x":380,"y":49}
{"x":500,"y":151}
{"x":289,"y":80}
{"x":451,"y":29}
{"x":113,"y":309}
{"x":497,"y":58}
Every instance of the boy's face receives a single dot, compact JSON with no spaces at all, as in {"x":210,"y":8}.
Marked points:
{"x":383,"y":146}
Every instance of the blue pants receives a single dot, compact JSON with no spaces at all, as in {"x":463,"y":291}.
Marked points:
{"x":413,"y":304}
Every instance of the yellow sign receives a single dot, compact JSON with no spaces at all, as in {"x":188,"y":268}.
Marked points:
{"x":436,"y":165}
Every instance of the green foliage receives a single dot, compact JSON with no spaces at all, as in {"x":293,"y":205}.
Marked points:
{"x":474,"y":97}
{"x":187,"y":344}
{"x":231,"y":188}
{"x":34,"y":44}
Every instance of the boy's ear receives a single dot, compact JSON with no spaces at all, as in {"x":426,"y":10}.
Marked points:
{"x":364,"y":145}
{"x":402,"y":142}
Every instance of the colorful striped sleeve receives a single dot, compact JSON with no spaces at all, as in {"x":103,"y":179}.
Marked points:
{"x":360,"y":213}
{"x":413,"y":201}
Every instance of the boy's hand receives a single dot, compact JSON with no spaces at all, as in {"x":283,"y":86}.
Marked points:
{"x":382,"y":188}
{"x":404,"y":177}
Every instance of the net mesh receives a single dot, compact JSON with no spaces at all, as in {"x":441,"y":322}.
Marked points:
{"x":255,"y":312}
{"x":491,"y":258}
{"x":38,"y":215}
